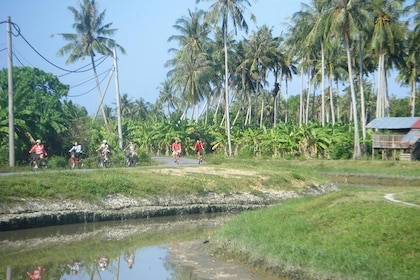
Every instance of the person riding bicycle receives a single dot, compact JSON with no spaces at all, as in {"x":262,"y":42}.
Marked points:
{"x":130,"y":150}
{"x":38,"y":151}
{"x":77,"y":150}
{"x":176,"y":150}
{"x":104,"y":149}
{"x":198,"y":148}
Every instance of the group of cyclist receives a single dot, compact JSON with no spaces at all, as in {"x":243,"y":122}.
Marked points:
{"x":177,"y":149}
{"x":38,"y":152}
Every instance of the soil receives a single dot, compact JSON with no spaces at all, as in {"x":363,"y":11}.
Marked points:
{"x":197,"y":261}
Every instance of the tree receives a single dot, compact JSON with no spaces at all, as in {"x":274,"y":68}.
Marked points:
{"x":222,"y":9}
{"x":91,"y":38}
{"x":191,"y":63}
{"x":167,"y":96}
{"x":39,"y":111}
{"x":343,"y":19}
{"x":387,"y":42}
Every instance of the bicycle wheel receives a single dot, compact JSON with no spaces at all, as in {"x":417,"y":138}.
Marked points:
{"x":72,"y":164}
{"x":99,"y":162}
{"x":33,"y":165}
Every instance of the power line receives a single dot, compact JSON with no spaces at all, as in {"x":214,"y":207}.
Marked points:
{"x":89,"y":91}
{"x":19,"y":33}
{"x":85,"y":82}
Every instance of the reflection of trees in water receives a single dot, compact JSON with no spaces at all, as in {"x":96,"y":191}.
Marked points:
{"x":119,"y":241}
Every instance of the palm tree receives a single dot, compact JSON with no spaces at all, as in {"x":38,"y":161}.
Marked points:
{"x":344,"y":18}
{"x":191,"y":64}
{"x":223,"y":9}
{"x":91,"y":38}
{"x":167,"y":95}
{"x":410,"y":70}
{"x":260,"y":50}
{"x":387,"y":42}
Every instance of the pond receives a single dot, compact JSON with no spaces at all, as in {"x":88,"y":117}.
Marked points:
{"x":133,"y":249}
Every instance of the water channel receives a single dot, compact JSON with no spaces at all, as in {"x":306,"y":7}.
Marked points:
{"x":107,"y":250}
{"x":134,"y":249}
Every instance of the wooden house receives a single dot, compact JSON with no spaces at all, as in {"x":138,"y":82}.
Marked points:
{"x":396,"y":137}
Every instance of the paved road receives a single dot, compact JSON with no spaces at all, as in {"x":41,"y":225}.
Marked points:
{"x":159,"y":161}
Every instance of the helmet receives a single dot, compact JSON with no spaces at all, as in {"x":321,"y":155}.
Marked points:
{"x":104,"y":141}
{"x":38,"y":141}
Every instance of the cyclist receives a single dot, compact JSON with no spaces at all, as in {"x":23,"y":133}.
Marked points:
{"x":38,"y":151}
{"x":77,"y":150}
{"x":104,"y":149}
{"x":176,"y":150}
{"x":198,"y":148}
{"x":130,"y":154}
{"x":130,"y":150}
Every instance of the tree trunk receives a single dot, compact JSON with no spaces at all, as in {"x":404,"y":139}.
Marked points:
{"x":356,"y":149}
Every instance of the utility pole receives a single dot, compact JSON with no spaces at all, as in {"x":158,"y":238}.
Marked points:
{"x":11,"y":106}
{"x":117,"y":89}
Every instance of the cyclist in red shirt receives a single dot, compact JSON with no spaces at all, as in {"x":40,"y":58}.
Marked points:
{"x":176,"y":150}
{"x":199,"y":149}
{"x":38,"y":150}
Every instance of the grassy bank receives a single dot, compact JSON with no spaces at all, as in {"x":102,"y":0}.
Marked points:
{"x":354,"y":233}
{"x":351,"y":234}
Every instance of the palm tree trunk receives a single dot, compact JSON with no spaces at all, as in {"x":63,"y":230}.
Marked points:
{"x":322,"y":85}
{"x":308,"y":98}
{"x":227,"y":89}
{"x":301,"y":98}
{"x":356,"y":149}
{"x":331,"y":97}
{"x":413,"y":93}
{"x":362,"y":94}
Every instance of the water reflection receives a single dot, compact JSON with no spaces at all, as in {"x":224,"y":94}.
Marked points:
{"x":109,"y":250}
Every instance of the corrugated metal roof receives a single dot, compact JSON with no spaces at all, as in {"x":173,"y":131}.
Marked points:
{"x":395,"y":123}
{"x":412,"y":137}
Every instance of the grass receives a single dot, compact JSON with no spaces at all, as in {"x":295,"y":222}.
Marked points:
{"x":332,"y":234}
{"x":354,"y":233}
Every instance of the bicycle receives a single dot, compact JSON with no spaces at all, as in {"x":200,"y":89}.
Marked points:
{"x":36,"y":162}
{"x":103,"y":161}
{"x":75,"y":161}
{"x":130,"y":160}
{"x":177,"y":155}
{"x":199,"y":156}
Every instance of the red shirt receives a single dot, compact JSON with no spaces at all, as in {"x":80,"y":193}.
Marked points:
{"x":38,"y":149}
{"x":176,"y":146}
{"x":198,"y":146}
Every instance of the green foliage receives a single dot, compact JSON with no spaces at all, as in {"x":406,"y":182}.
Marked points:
{"x":338,"y":234}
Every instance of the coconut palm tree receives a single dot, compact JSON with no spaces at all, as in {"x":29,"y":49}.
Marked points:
{"x":388,"y":43}
{"x":223,"y":9}
{"x":167,"y":95}
{"x":259,"y":52}
{"x":191,"y":64}
{"x":343,"y":19}
{"x":91,"y":38}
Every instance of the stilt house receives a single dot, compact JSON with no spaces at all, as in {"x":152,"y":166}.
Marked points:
{"x":398,"y":138}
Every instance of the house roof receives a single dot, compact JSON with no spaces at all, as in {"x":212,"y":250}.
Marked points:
{"x":395,"y":123}
{"x":411,"y":137}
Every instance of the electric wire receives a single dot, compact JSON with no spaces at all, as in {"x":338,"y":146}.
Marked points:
{"x":78,"y":70}
{"x":89,"y":91}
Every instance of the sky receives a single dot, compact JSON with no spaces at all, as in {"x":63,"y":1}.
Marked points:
{"x":144,"y":27}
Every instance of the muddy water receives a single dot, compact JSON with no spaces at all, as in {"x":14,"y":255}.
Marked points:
{"x":136,"y":249}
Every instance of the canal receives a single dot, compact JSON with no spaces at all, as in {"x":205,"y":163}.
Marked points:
{"x":131,"y":249}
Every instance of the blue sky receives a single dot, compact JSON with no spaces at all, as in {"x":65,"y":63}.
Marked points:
{"x":144,"y":27}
